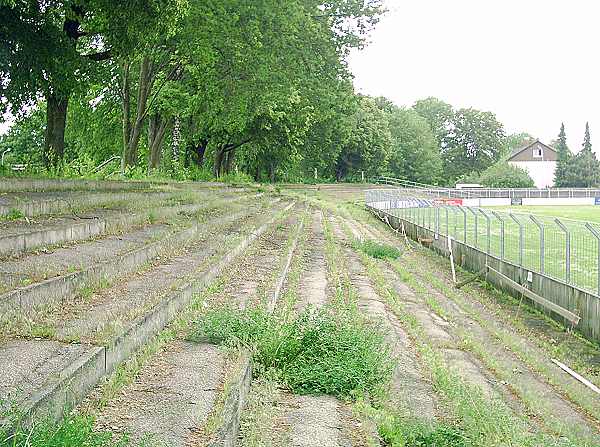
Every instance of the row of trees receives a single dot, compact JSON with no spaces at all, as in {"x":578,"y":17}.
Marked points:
{"x":263,"y":86}
{"x":192,"y":88}
{"x":581,"y":170}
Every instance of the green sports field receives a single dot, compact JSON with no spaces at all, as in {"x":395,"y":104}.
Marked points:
{"x":589,"y":213}
{"x":501,"y":237}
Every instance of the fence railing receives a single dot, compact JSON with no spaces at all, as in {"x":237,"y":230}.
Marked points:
{"x":420,"y":189}
{"x":563,"y":249}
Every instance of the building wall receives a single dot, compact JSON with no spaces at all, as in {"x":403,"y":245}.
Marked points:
{"x":548,"y":154}
{"x":542,"y":172}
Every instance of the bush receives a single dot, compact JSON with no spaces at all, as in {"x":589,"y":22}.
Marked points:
{"x":314,"y":353}
{"x":503,"y":175}
{"x":377,"y":250}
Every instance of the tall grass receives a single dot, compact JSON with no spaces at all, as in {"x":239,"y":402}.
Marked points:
{"x":317,"y":352}
{"x":72,"y":431}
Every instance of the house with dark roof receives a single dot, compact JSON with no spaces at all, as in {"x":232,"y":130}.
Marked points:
{"x":539,"y":160}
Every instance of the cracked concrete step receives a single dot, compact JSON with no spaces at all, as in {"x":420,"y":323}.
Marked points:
{"x":112,"y":258}
{"x":103,"y":314}
{"x":250,"y":278}
{"x":560,"y":414}
{"x":18,"y":237}
{"x":30,"y":184}
{"x":41,"y":390}
{"x":171,"y":398}
{"x":312,"y":288}
{"x":45,"y":203}
{"x":410,"y":391}
{"x":197,"y":383}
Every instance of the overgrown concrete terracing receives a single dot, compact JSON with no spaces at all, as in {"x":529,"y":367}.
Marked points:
{"x":53,"y":373}
{"x":250,"y":321}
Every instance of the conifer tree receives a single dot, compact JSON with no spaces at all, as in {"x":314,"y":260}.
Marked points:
{"x":564,"y":155}
{"x":583,"y":170}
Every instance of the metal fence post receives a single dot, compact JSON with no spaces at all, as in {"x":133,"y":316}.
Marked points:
{"x":464,"y":223}
{"x":474,"y":212}
{"x":437,"y":220}
{"x":596,"y":234}
{"x":447,"y":221}
{"x":518,"y":222}
{"x":540,"y":225}
{"x":567,"y":250}
{"x":501,"y":220}
{"x":488,"y":231}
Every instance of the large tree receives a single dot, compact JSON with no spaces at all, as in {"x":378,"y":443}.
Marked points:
{"x":52,"y":50}
{"x":439,"y":115}
{"x":475,"y":143}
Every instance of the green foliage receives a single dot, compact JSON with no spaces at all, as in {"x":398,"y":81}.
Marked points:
{"x":475,"y":143}
{"x":564,"y":155}
{"x":397,"y":432}
{"x":13,"y":214}
{"x":504,"y":175}
{"x":583,"y":169}
{"x":313,"y":353}
{"x":377,"y":249}
{"x":414,"y":153}
{"x":72,"y":431}
{"x":439,"y":115}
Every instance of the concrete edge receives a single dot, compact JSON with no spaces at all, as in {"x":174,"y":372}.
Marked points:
{"x":25,"y":242}
{"x":237,"y":388}
{"x":83,"y":375}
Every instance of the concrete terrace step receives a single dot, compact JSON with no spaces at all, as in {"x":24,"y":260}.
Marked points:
{"x":116,"y":260}
{"x":20,"y":237}
{"x":53,"y":374}
{"x":8,"y":184}
{"x":193,"y":393}
{"x":32,"y":204}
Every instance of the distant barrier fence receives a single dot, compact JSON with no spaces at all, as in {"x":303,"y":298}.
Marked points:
{"x":558,"y":259}
{"x":421,"y":189}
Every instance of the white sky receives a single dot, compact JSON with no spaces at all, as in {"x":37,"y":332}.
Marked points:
{"x":533,"y":63}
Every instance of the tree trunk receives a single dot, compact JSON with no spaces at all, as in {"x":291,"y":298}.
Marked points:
{"x":272,"y":172}
{"x":126,"y":97}
{"x":56,"y":121}
{"x":219,"y":153}
{"x":229,"y":160}
{"x":130,"y":151}
{"x":157,"y":127}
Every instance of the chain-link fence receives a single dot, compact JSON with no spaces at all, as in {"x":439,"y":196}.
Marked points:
{"x":563,"y":249}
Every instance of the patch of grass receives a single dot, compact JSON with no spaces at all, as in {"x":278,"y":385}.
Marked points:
{"x":13,"y":214}
{"x":72,"y":431}
{"x":397,"y":432}
{"x":43,"y":331}
{"x":314,"y":353}
{"x":376,"y":249}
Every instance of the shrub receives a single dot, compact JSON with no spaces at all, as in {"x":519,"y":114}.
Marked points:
{"x":377,"y":250}
{"x":316,"y":352}
{"x":503,"y":175}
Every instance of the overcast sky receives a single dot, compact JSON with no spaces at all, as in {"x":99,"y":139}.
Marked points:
{"x":533,"y":63}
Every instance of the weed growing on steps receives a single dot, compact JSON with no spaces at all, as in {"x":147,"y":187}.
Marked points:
{"x":318,"y":352}
{"x":13,"y":214}
{"x":376,"y":249}
{"x":72,"y":431}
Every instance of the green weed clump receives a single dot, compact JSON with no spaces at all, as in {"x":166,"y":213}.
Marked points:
{"x":313,"y":353}
{"x":377,"y":250}
{"x":72,"y":431}
{"x":403,"y":433}
{"x":14,"y":214}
